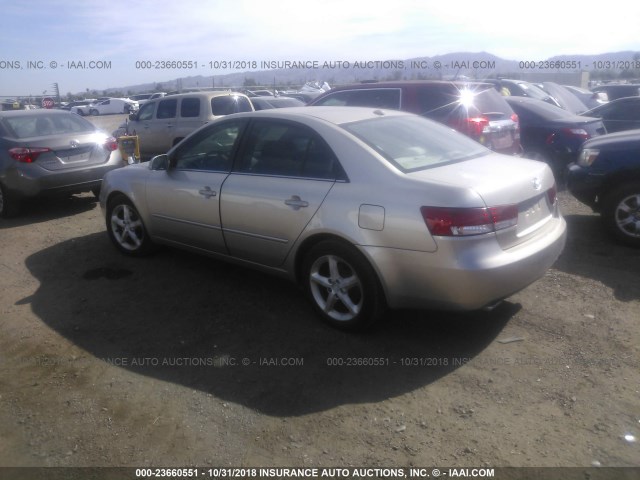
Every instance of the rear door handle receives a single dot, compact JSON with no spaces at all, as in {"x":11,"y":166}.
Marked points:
{"x":207,"y":192}
{"x":296,"y":202}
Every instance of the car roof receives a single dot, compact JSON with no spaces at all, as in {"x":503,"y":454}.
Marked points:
{"x":404,"y":83}
{"x":30,"y":113}
{"x":337,"y":115}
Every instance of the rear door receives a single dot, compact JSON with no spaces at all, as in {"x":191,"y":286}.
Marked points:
{"x":283,"y":173}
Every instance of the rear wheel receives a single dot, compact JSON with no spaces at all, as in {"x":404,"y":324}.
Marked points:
{"x":342,"y":286}
{"x":9,"y":206}
{"x":126,"y":229}
{"x":94,"y":112}
{"x":621,"y":213}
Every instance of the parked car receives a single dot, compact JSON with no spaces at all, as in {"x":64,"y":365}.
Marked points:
{"x":143,"y":97}
{"x":620,"y":114}
{"x":615,"y":91}
{"x":606,"y":177}
{"x":589,"y":98}
{"x":550,"y":134}
{"x":79,"y":106}
{"x":265,"y":103}
{"x":50,"y":151}
{"x":366,"y":208}
{"x":111,"y":106}
{"x":474,"y":109}
{"x":77,"y":103}
{"x":565,"y":98}
{"x":519,"y":88}
{"x":162,"y":123}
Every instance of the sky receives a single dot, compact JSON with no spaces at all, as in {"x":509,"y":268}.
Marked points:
{"x":87,"y":44}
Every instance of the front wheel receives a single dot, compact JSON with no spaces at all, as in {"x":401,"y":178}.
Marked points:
{"x":94,"y":112}
{"x":126,"y":229}
{"x":621,"y":213}
{"x":342,"y":286}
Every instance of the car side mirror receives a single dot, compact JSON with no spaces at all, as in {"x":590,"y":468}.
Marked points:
{"x":160,"y":162}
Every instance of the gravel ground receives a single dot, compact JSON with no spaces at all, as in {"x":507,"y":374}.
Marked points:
{"x":177,"y":360}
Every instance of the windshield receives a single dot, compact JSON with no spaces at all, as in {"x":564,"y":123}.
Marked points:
{"x":413,"y":143}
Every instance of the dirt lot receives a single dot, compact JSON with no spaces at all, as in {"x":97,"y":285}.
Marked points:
{"x":176,"y":360}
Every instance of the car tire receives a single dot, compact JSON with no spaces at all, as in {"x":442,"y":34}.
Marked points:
{"x":621,"y":213}
{"x":9,"y":206}
{"x":342,"y":286}
{"x":126,"y":229}
{"x":94,"y":112}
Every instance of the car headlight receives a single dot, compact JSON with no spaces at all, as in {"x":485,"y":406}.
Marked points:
{"x":587,"y":157}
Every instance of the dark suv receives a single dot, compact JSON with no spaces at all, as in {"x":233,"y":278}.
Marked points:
{"x":474,"y":109}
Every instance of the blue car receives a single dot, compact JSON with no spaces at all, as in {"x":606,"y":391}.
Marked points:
{"x":606,"y":177}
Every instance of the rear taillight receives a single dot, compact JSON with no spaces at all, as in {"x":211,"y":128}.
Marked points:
{"x":456,"y":222}
{"x":110,"y":144}
{"x":576,"y":132}
{"x":27,"y":155}
{"x":476,"y":125}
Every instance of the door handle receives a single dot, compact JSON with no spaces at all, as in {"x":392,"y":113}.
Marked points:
{"x":207,"y":192}
{"x":296,"y":202}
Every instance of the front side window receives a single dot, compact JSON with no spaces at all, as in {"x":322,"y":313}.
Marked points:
{"x":146,"y":112}
{"x":287,"y":149}
{"x":210,"y":149}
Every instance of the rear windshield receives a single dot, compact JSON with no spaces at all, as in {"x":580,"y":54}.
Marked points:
{"x":444,"y":101}
{"x":413,"y":143}
{"x":228,"y":104}
{"x":26,"y":126}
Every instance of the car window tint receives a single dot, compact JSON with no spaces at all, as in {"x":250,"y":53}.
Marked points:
{"x":286,"y":149}
{"x":210,"y":149}
{"x":146,"y":111}
{"x":167,"y":108}
{"x":625,"y":111}
{"x":190,"y":107}
{"x":228,"y":104}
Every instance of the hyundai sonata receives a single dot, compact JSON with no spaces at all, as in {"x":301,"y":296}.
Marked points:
{"x":366,"y":209}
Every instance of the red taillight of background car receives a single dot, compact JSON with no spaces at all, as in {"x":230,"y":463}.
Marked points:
{"x":110,"y":144}
{"x":456,"y":222}
{"x":27,"y":155}
{"x":476,"y":126}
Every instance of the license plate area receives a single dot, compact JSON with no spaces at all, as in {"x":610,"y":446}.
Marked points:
{"x":532,"y":214}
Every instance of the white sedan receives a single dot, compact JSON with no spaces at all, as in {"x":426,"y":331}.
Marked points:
{"x":111,"y":105}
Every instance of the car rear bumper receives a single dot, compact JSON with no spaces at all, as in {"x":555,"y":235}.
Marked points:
{"x":34,"y":181}
{"x":465,"y":273}
{"x":583,"y":185}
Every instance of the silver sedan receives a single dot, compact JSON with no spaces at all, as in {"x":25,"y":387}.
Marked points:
{"x":366,"y":209}
{"x":49,"y":151}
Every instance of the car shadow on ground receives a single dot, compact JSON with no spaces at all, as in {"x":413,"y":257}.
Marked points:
{"x":241,"y":335}
{"x":590,"y":252}
{"x":44,"y":209}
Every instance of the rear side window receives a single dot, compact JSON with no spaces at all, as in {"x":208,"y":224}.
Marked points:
{"x":228,"y":104}
{"x":287,"y":149}
{"x":373,"y":98}
{"x":167,"y":108}
{"x":190,"y":107}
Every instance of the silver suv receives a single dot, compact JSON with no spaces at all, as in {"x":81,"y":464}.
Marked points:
{"x":161,"y":123}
